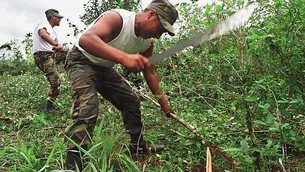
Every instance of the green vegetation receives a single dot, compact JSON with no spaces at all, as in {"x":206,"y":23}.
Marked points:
{"x":244,"y":92}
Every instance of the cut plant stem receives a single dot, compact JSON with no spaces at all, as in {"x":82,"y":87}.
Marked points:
{"x":212,"y":146}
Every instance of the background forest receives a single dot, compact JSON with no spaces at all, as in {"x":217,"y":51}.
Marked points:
{"x":243,"y":92}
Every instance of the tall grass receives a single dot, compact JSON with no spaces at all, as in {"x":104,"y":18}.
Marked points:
{"x":32,"y":139}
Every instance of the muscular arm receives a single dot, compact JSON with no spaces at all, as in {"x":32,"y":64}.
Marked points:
{"x":106,"y":28}
{"x":44,"y":34}
{"x":151,"y":77}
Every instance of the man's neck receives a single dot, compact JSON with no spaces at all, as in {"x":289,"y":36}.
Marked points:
{"x":137,"y":22}
{"x":51,"y":23}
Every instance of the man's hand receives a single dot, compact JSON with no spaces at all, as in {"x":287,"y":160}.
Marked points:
{"x":167,"y":111}
{"x":57,"y":48}
{"x":135,"y":62}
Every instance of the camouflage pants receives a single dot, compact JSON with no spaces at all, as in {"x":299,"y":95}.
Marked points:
{"x":46,"y":62}
{"x":87,"y":81}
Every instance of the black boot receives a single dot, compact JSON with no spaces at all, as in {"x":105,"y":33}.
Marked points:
{"x":49,"y":106}
{"x":75,"y":159}
{"x":143,"y":148}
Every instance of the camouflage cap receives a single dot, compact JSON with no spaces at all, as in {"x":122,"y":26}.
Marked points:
{"x":52,"y":12}
{"x":167,"y":14}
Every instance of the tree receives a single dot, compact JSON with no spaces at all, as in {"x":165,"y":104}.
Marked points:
{"x":94,"y":8}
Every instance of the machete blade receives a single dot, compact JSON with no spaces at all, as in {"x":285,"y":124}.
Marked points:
{"x":230,"y":23}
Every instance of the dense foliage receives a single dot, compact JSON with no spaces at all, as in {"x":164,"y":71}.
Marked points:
{"x":243,"y":92}
{"x":94,"y":8}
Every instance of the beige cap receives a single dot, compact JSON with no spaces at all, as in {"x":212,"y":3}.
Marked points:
{"x":53,"y":12}
{"x":167,"y":14}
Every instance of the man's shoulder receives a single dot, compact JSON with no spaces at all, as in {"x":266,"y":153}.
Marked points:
{"x":123,"y":12}
{"x":43,"y":24}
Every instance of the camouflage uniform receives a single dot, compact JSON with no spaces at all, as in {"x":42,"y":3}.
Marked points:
{"x":88,"y":79}
{"x":46,"y":62}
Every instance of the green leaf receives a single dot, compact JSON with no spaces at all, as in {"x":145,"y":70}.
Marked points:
{"x":260,"y":81}
{"x":269,"y":118}
{"x":219,"y":8}
{"x":259,"y":122}
{"x":251,"y":99}
{"x":188,"y":143}
{"x":254,"y":36}
{"x":210,"y":68}
{"x":261,"y":86}
{"x":283,"y":101}
{"x":239,"y":2}
{"x":295,"y":101}
{"x":264,"y":106}
{"x":244,"y":145}
{"x":269,"y":143}
{"x":284,"y":125}
{"x":292,"y":133}
{"x":273,"y":129}
{"x":232,"y":150}
{"x":19,"y":123}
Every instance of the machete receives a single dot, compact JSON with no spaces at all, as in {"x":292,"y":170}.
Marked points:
{"x":229,"y":24}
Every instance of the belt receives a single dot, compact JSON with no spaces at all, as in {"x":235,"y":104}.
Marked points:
{"x":43,"y":52}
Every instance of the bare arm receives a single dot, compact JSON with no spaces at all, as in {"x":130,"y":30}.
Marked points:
{"x":44,"y":34}
{"x":95,"y":40}
{"x":151,"y":77}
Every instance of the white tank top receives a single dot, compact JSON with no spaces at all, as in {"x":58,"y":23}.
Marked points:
{"x":39,"y":44}
{"x":126,"y":41}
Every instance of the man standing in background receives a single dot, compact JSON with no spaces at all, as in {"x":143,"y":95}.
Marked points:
{"x":47,"y":53}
